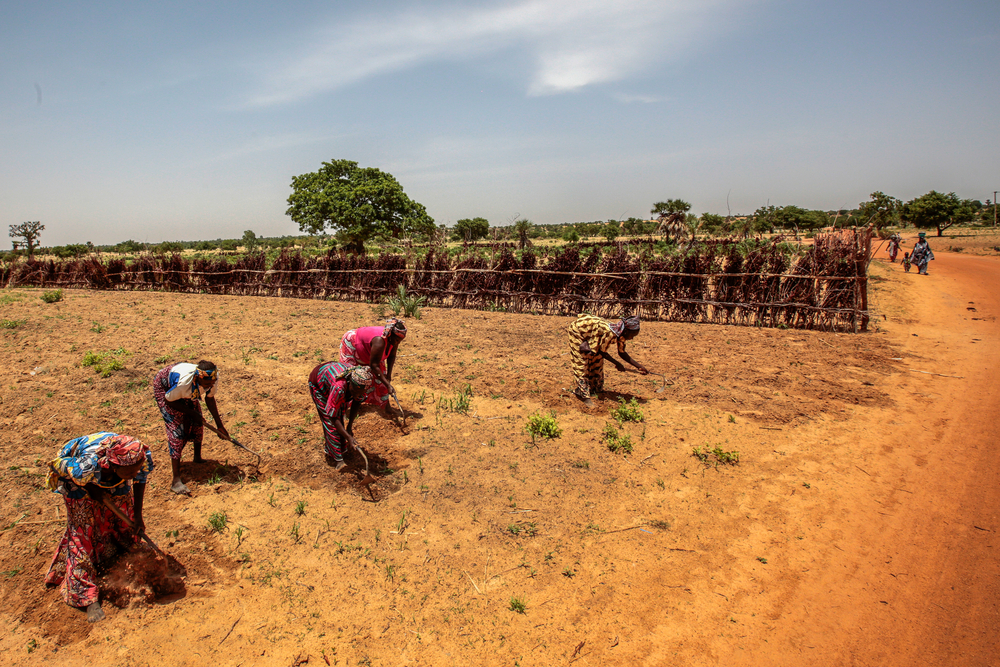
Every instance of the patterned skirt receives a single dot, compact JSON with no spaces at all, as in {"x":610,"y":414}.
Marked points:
{"x":94,"y":535}
{"x":588,"y":368}
{"x":378,"y":393}
{"x":319,"y":389}
{"x":181,"y":428}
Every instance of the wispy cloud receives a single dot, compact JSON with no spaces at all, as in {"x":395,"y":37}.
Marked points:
{"x":570,"y":43}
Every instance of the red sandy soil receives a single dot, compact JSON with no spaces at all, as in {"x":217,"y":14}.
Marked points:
{"x":857,"y":528}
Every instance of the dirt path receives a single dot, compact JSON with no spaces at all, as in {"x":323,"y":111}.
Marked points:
{"x":915,"y":578}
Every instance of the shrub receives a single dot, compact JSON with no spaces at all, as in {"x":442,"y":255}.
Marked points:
{"x":543,"y":426}
{"x":402,"y":303}
{"x":52,"y":296}
{"x":616,"y":441}
{"x":627,"y":412}
{"x":105,"y":363}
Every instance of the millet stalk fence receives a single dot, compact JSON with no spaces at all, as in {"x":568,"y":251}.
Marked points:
{"x":716,"y":281}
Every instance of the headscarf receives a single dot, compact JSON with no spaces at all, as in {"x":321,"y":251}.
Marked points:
{"x":625,"y":324}
{"x":359,"y":376}
{"x":122,"y":450}
{"x":394,"y":325}
{"x":200,"y":374}
{"x":206,"y":375}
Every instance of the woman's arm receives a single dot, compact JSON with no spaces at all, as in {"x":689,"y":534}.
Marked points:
{"x":391,"y":361}
{"x":214,"y":409}
{"x":375,"y":362}
{"x":338,"y":425}
{"x":138,"y":493}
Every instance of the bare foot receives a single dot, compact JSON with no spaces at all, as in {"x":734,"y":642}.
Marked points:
{"x":198,"y":459}
{"x":339,"y":465}
{"x":94,"y":612}
{"x":334,"y":463}
{"x":586,"y":401}
{"x":178,"y":487}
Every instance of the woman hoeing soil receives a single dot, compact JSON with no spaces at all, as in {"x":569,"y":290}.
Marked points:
{"x":338,"y":389}
{"x":177,"y":390}
{"x":375,"y":347}
{"x":589,"y":340}
{"x":89,"y":471}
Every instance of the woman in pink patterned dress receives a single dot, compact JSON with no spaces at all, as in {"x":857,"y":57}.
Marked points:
{"x":376,"y":348}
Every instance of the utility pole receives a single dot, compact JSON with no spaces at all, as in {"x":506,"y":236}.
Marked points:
{"x":995,"y":207}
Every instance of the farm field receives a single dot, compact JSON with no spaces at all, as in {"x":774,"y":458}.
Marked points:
{"x":857,"y":527}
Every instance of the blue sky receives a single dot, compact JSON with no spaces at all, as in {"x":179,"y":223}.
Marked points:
{"x":184,"y":121}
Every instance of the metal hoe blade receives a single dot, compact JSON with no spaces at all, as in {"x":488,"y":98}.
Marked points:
{"x":367,"y":480}
{"x":396,"y":398}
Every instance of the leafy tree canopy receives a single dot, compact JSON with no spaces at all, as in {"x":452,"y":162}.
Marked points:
{"x":250,"y":241}
{"x":359,"y":202}
{"x":670,"y":206}
{"x":27,"y":233}
{"x":472,"y":229}
{"x":935,"y":209}
{"x":881,"y":211}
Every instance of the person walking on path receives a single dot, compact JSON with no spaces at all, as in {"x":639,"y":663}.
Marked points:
{"x":337,"y":389}
{"x":894,"y":242}
{"x":178,"y":390}
{"x":89,"y":471}
{"x":921,"y":254}
{"x":589,"y":340}
{"x":375,"y":347}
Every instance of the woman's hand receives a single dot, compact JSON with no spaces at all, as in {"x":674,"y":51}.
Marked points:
{"x":642,"y":370}
{"x":223,"y":433}
{"x":138,"y":526}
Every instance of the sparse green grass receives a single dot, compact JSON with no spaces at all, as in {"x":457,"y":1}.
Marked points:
{"x":11,"y":324}
{"x":721,"y":456}
{"x":518,"y":604}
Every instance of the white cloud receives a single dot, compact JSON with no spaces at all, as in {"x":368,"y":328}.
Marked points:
{"x":570,"y":43}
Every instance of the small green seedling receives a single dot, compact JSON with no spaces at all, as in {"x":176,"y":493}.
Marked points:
{"x":518,"y":604}
{"x":218,"y":521}
{"x":300,"y":507}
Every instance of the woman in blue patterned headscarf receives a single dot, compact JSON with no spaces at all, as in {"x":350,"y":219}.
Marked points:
{"x":90,"y":470}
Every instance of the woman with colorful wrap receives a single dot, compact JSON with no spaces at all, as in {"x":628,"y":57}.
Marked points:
{"x":375,"y":347}
{"x":338,"y":389}
{"x":178,"y":390}
{"x":589,"y":340}
{"x":89,"y":470}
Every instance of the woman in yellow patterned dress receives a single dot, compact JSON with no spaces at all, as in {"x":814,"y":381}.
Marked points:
{"x":589,"y":340}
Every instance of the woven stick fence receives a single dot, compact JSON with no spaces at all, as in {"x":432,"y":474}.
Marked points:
{"x":717,"y":281}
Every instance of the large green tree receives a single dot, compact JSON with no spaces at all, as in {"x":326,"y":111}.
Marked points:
{"x":472,"y":229}
{"x":935,"y":209}
{"x":360,"y":203}
{"x":881,"y":211}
